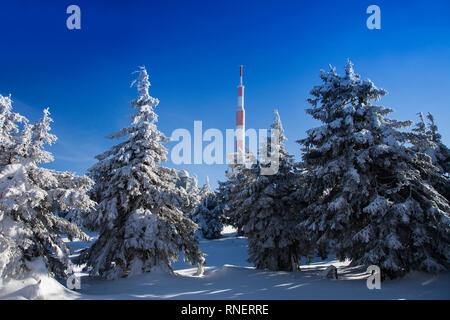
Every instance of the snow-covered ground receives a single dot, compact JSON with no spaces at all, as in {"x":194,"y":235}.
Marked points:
{"x":228,"y":275}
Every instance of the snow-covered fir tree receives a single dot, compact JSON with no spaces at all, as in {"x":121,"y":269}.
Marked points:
{"x":237,"y":177}
{"x":208,"y":214}
{"x":206,"y":188}
{"x":367,"y":198}
{"x":139,"y":215}
{"x":227,"y":190}
{"x":9,"y":128}
{"x":427,"y":140}
{"x":264,"y":208}
{"x":29,"y":197}
{"x":194,"y":193}
{"x":443,"y":152}
{"x":190,"y":184}
{"x":432,"y":143}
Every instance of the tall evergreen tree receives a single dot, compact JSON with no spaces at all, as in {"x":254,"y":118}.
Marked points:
{"x":139,"y":214}
{"x":366,"y":195}
{"x":265,"y":210}
{"x":442,"y":152}
{"x":237,"y":177}
{"x":195,"y":194}
{"x":428,"y":141}
{"x":9,"y":128}
{"x":29,"y":197}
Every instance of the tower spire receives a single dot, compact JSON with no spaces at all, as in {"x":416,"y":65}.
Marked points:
{"x":240,"y":75}
{"x":240,"y":117}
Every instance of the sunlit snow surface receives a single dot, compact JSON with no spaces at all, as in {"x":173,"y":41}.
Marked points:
{"x":228,"y":275}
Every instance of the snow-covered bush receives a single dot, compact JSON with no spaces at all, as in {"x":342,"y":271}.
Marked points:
{"x":139,"y":215}
{"x":366,"y":192}
{"x":29,"y":197}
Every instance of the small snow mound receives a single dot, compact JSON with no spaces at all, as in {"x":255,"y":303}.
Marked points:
{"x":228,"y":230}
{"x":36,"y":285}
{"x":229,"y":270}
{"x":330,"y":272}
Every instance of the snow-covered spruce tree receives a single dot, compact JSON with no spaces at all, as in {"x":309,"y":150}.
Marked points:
{"x":365,"y":189}
{"x":195,"y":194}
{"x":227,"y":190}
{"x":9,"y":128}
{"x":29,"y":197}
{"x":190,"y":185}
{"x":442,"y":152}
{"x":205,"y":189}
{"x":139,"y":214}
{"x":208,"y":214}
{"x":427,"y":140}
{"x":265,"y":209}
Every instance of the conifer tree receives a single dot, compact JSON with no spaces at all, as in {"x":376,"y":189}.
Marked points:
{"x":264,"y":207}
{"x":139,"y":214}
{"x":9,"y":128}
{"x":29,"y":197}
{"x":367,"y":198}
{"x":442,"y":154}
{"x":236,"y":179}
{"x":428,"y":141}
{"x":208,"y":214}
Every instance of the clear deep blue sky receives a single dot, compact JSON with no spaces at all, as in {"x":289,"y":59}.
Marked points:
{"x":193,"y":49}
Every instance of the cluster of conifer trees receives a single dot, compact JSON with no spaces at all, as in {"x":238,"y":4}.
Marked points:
{"x":366,"y":189}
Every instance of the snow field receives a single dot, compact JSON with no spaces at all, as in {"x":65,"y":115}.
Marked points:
{"x":229,"y":276}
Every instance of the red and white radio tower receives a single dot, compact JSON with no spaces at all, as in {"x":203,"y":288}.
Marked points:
{"x":240,"y":118}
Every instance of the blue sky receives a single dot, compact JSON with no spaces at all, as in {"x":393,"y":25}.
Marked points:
{"x":193,"y":49}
